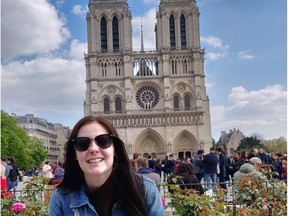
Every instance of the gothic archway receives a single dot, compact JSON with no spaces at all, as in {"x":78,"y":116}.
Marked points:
{"x":185,"y":144}
{"x":149,"y":141}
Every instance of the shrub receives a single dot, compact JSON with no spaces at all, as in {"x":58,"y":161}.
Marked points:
{"x":30,"y":203}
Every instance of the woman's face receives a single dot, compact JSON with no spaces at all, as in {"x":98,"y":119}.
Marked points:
{"x":96,"y":163}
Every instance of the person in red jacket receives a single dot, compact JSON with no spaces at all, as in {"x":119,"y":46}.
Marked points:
{"x":4,"y":187}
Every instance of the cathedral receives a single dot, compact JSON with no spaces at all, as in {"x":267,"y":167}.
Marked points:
{"x":157,"y":100}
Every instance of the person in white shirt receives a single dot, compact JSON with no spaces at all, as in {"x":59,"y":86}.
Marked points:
{"x":47,"y":170}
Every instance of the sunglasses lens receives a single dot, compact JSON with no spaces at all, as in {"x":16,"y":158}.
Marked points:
{"x":104,"y":141}
{"x":81,"y":143}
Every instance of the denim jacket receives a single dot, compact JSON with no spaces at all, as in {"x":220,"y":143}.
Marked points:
{"x":77,"y":203}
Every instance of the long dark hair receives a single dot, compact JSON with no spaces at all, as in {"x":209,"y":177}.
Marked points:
{"x":185,"y":168}
{"x":130,"y":197}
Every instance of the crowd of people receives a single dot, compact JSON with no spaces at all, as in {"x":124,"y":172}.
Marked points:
{"x":216,"y":167}
{"x":11,"y":174}
{"x":98,"y":175}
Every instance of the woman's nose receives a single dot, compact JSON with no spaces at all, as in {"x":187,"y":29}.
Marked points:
{"x":93,"y":146}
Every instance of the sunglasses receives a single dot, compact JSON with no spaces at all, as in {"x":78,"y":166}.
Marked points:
{"x":103,"y":141}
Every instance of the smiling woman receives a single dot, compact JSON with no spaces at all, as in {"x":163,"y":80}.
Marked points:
{"x":97,"y":172}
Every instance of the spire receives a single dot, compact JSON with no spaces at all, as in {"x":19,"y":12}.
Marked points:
{"x":142,"y":41}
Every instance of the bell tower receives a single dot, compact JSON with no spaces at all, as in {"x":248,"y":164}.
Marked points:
{"x":156,"y":99}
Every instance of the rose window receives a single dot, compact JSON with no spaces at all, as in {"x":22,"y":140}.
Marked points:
{"x":147,"y":97}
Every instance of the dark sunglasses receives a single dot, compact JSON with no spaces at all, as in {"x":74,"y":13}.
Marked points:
{"x":104,"y":141}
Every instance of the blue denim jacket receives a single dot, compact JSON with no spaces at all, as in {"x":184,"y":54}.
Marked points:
{"x":77,"y":203}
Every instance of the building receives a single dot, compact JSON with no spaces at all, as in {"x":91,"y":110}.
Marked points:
{"x":63,"y":134}
{"x":231,"y":140}
{"x":39,"y":128}
{"x":157,"y":99}
{"x":53,"y":136}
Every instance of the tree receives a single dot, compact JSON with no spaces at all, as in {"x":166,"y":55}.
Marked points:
{"x":249,"y":143}
{"x":275,"y":145}
{"x":15,"y":142}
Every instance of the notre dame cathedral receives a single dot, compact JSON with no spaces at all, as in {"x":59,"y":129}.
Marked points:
{"x":157,"y":100}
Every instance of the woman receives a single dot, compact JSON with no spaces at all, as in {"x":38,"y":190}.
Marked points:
{"x":99,"y":178}
{"x":58,"y":174}
{"x":188,"y":178}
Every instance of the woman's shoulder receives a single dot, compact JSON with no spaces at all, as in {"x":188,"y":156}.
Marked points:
{"x":147,"y":180}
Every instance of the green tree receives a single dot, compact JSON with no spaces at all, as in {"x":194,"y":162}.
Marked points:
{"x":275,"y":145}
{"x":15,"y":142}
{"x":249,"y":143}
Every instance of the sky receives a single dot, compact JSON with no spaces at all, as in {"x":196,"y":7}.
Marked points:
{"x":43,"y":72}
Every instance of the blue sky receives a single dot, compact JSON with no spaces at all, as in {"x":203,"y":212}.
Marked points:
{"x":43,"y":72}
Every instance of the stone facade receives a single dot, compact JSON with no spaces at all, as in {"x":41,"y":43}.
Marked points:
{"x":63,"y":133}
{"x":230,"y":140}
{"x":156,"y":99}
{"x":40,"y":129}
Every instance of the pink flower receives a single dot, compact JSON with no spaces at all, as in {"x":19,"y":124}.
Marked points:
{"x":163,"y":201}
{"x":18,"y":207}
{"x":265,"y":203}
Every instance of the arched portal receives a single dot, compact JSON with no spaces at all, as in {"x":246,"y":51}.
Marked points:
{"x":149,"y":142}
{"x":185,"y":144}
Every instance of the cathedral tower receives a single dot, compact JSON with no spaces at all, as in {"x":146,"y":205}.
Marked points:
{"x":156,"y":100}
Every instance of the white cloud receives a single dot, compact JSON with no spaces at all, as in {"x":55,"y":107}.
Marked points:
{"x":79,"y":10}
{"x":60,"y":2}
{"x":43,"y":84}
{"x":262,"y":112}
{"x":148,"y":21}
{"x":216,"y":47}
{"x":151,"y":1}
{"x":30,"y":27}
{"x":245,"y":55}
{"x":77,"y":49}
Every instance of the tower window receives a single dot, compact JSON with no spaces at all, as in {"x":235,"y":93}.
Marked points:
{"x":183,"y":31}
{"x":106,"y":105}
{"x":115,"y":34}
{"x":187,"y":102}
{"x":172,"y":31}
{"x":103,"y":29}
{"x":176,"y":103}
{"x":118,"y":105}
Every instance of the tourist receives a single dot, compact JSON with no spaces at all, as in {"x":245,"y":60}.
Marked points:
{"x":243,"y":158}
{"x":223,"y":161}
{"x":58,"y":174}
{"x":253,"y":153}
{"x":211,"y":162}
{"x":12,"y":173}
{"x":47,"y":171}
{"x":198,"y":164}
{"x":99,"y":178}
{"x":142,"y":167}
{"x":249,"y":170}
{"x":187,"y":179}
{"x":284,"y":169}
{"x":158,"y":167}
{"x":151,"y":162}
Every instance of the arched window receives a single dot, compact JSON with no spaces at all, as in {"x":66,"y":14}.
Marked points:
{"x":176,"y":103}
{"x":183,"y":31}
{"x":118,"y":105}
{"x":172,"y":31}
{"x":187,"y":102}
{"x":115,"y":34}
{"x":103,"y":32}
{"x":106,"y":105}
